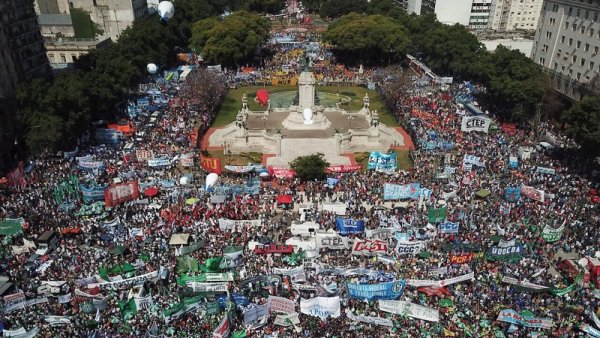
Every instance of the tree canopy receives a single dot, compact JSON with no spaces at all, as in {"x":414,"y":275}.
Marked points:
{"x":233,"y":40}
{"x":583,"y":124}
{"x":368,"y":39}
{"x":311,"y":167}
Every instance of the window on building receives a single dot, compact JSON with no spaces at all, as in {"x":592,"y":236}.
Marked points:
{"x":555,"y":65}
{"x":578,"y":44}
{"x":542,"y":61}
{"x":574,"y":58}
{"x":582,"y":62}
{"x":562,"y":39}
{"x":548,"y":35}
{"x":74,"y":58}
{"x":596,"y":50}
{"x":558,"y":52}
{"x":50,"y":57}
{"x":591,"y":65}
{"x":582,"y":29}
{"x":578,"y":76}
{"x":591,"y":32}
{"x":587,"y":47}
{"x":63,"y":58}
{"x":552,"y":21}
{"x":545,"y":48}
{"x":570,"y":41}
{"x":570,"y":10}
{"x":574,"y":27}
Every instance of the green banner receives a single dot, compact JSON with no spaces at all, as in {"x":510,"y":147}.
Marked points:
{"x":563,"y":291}
{"x":11,"y":226}
{"x":437,"y":215}
{"x":186,"y":264}
{"x":550,"y":234}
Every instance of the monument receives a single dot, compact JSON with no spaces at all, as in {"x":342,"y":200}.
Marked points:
{"x":306,"y":128}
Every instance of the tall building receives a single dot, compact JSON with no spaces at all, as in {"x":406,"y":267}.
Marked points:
{"x":567,"y":45}
{"x":469,"y":13}
{"x":52,"y":6}
{"x":510,"y":15}
{"x":113,"y":16}
{"x":22,"y":58}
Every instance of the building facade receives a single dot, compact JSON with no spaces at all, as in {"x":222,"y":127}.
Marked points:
{"x":113,"y":16}
{"x":52,"y":7}
{"x":474,"y":14}
{"x":567,"y":45}
{"x":510,"y":15}
{"x":66,"y":51}
{"x":22,"y":58}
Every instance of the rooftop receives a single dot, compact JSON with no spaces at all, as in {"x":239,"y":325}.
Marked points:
{"x":55,"y":20}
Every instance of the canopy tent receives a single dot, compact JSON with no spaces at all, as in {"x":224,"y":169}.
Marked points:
{"x":179,"y":239}
{"x":483,"y":193}
{"x":284,"y":199}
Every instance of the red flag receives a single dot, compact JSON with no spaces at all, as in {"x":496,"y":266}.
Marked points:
{"x":211,"y":164}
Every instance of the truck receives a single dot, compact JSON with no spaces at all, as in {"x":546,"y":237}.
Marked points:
{"x":47,"y":242}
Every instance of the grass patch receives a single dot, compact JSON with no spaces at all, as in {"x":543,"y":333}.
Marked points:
{"x":82,"y":23}
{"x":233,"y":102}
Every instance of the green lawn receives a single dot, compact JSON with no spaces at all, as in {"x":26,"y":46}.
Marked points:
{"x":82,"y":23}
{"x":233,"y":101}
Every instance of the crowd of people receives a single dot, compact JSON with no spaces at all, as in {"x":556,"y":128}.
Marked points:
{"x":488,"y":244}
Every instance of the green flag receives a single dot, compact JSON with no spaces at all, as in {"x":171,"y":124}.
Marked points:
{"x":103,"y":272}
{"x":446,"y":302}
{"x":212,"y":264}
{"x":239,"y":334}
{"x":437,"y":215}
{"x":187,"y":263}
{"x":128,"y":309}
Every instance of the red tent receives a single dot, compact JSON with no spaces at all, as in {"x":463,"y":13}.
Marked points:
{"x":284,"y":199}
{"x":262,"y":96}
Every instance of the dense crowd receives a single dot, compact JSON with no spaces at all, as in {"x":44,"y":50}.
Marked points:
{"x":134,"y":237}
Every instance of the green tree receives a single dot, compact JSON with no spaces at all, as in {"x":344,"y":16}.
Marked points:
{"x":200,"y":31}
{"x":265,"y":6}
{"x":386,"y":7}
{"x":234,"y":40}
{"x":311,"y":167}
{"x":583,"y":124}
{"x":368,"y":39}
{"x":337,"y":8}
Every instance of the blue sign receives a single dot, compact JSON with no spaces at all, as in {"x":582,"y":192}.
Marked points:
{"x":348,"y":226}
{"x":401,"y":191}
{"x":389,"y":290}
{"x":143,"y":101}
{"x":239,"y":300}
{"x":512,"y":194}
{"x":384,"y":162}
{"x":92,"y":193}
{"x":449,"y":228}
{"x":331,"y":181}
{"x":107,"y":136}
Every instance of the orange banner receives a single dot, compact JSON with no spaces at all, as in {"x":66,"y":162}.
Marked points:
{"x":211,"y":164}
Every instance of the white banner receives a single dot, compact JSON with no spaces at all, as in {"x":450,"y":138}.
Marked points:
{"x":207,"y":287}
{"x":296,"y":274}
{"x":337,"y":208}
{"x":62,"y":299}
{"x":88,"y":295}
{"x":331,"y":241}
{"x":381,"y":233}
{"x":524,"y":284}
{"x":409,"y":248}
{"x":15,"y":297}
{"x":370,"y":320}
{"x":143,"y":302}
{"x":321,"y":307}
{"x":228,"y":224}
{"x":440,"y":283}
{"x":369,"y":247}
{"x":475,"y":123}
{"x":126,"y":282}
{"x":280,"y":304}
{"x":21,"y":333}
{"x":254,"y":312}
{"x":408,"y":309}
{"x":57,"y":320}
{"x":287,"y":319}
{"x":23,"y":304}
{"x":19,"y":250}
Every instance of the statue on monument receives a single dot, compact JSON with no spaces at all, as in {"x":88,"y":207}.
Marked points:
{"x":305,"y":63}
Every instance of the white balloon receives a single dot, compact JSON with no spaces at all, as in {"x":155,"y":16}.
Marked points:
{"x":211,"y":179}
{"x":166,"y":10}
{"x":152,"y":68}
{"x":184,"y":180}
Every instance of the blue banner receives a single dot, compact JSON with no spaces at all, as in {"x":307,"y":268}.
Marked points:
{"x":389,"y":290}
{"x":159,"y":162}
{"x":143,"y":102}
{"x":384,"y":162}
{"x":348,"y":226}
{"x":95,"y":166}
{"x":92,"y":193}
{"x":514,"y":317}
{"x":436,"y":144}
{"x":250,"y":188}
{"x":449,"y":227}
{"x":512,"y":194}
{"x":107,"y":136}
{"x":401,"y":191}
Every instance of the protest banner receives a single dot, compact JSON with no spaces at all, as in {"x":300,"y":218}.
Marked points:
{"x":280,"y":304}
{"x":544,"y":170}
{"x":281,"y":172}
{"x":295,"y":274}
{"x":90,"y":165}
{"x":401,"y":191}
{"x":322,"y":307}
{"x":11,"y":226}
{"x":15,"y":297}
{"x":475,"y":123}
{"x":382,"y":162}
{"x":514,"y":317}
{"x":224,"y":329}
{"x":449,"y":227}
{"x":438,"y":291}
{"x":229,"y":224}
{"x":143,"y":303}
{"x":253,"y":313}
{"x":461,"y":259}
{"x":436,"y":215}
{"x":92,"y":192}
{"x":381,"y":233}
{"x":62,"y":299}
{"x":409,"y":248}
{"x":159,"y":162}
{"x":445,"y":282}
{"x":119,"y":193}
{"x":287,"y":319}
{"x":233,"y":256}
{"x":343,"y":168}
{"x":191,"y":248}
{"x":408,"y":309}
{"x":533,"y":193}
{"x":207,"y":287}
{"x":505,"y":254}
{"x":550,"y":234}
{"x":369,"y":247}
{"x":143,"y":155}
{"x":388,"y":290}
{"x":57,"y":320}
{"x":512,"y":194}
{"x":331,"y":241}
{"x":24,"y":304}
{"x":370,"y":320}
{"x":590,"y":330}
{"x":211,"y":164}
{"x":348,"y":226}
{"x":525,"y":284}
{"x":113,"y":285}
{"x":20,"y":333}
{"x":241,"y":169}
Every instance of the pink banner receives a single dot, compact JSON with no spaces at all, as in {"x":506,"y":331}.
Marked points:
{"x":343,"y":168}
